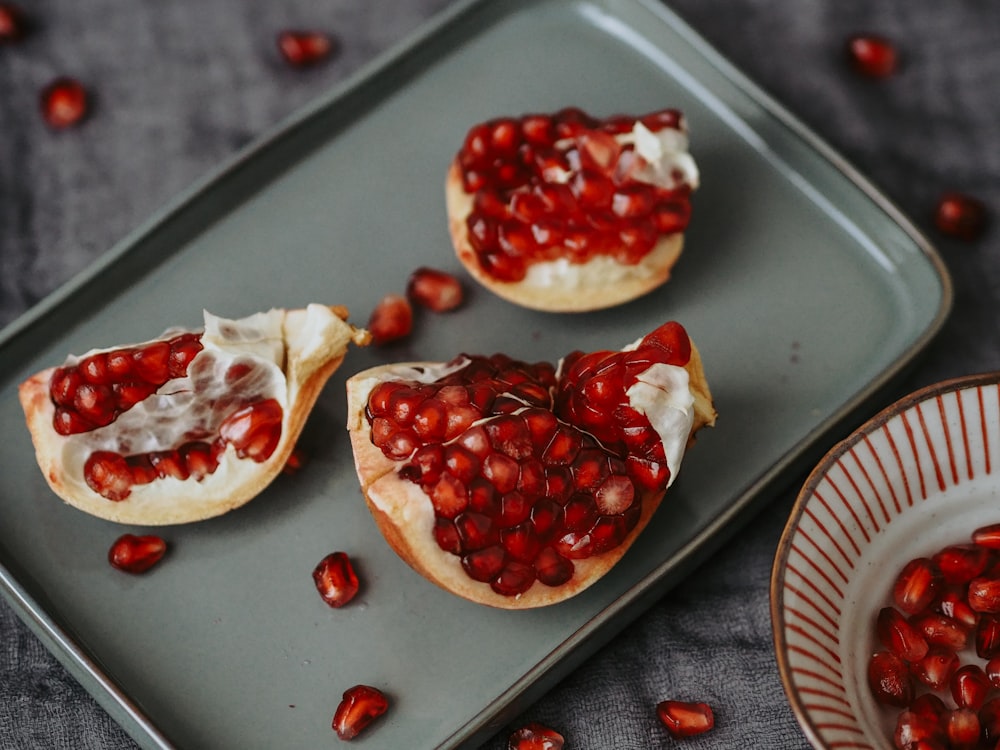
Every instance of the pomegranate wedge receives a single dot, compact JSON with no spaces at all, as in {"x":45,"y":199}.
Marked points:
{"x":186,"y":426}
{"x":519,"y":484}
{"x":569,"y":212}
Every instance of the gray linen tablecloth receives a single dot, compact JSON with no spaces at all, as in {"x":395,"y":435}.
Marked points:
{"x":183,"y":84}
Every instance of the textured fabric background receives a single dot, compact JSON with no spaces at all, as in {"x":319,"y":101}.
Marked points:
{"x":182,"y":84}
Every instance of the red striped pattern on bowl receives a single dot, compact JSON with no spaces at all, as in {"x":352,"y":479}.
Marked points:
{"x":921,"y":474}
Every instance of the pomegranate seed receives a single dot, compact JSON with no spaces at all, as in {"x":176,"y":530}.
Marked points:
{"x":960,"y":215}
{"x":391,"y":319}
{"x":296,"y":460}
{"x":989,"y":720}
{"x":940,"y":630}
{"x":960,"y":563}
{"x":254,"y":430}
{"x":987,"y":536}
{"x":984,"y":594}
{"x":953,"y":605}
{"x":935,"y":669}
{"x":535,"y":736}
{"x":335,"y":579}
{"x":64,"y":103}
{"x":900,"y":636}
{"x":304,"y":48}
{"x":988,"y":636}
{"x":889,"y":679}
{"x":916,"y":585}
{"x":872,"y":56}
{"x":13,"y":24}
{"x":436,"y":290}
{"x":685,"y":719}
{"x":136,"y":554}
{"x":969,"y":686}
{"x":962,"y":729}
{"x":913,"y":728}
{"x":108,"y":475}
{"x":360,"y":706}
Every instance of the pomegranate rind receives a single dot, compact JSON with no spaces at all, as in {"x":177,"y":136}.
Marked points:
{"x":405,"y":516}
{"x":315,"y":340}
{"x":562,"y":286}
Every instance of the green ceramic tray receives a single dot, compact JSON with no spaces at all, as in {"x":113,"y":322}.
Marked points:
{"x":805,"y":290}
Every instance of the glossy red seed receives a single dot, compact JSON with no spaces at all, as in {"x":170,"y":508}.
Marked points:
{"x":934,"y":670}
{"x":900,"y":636}
{"x":360,"y":706}
{"x":940,"y":630}
{"x":108,"y":475}
{"x":960,"y":563}
{"x":136,"y":554}
{"x":987,"y":636}
{"x":535,"y":736}
{"x":913,"y":728}
{"x":987,"y":536}
{"x":685,"y":718}
{"x":872,"y":55}
{"x":916,"y":585}
{"x":302,"y":48}
{"x":989,"y":720}
{"x":254,"y":430}
{"x":64,"y":103}
{"x":984,"y":594}
{"x":960,"y":215}
{"x":335,"y":579}
{"x":391,"y":319}
{"x":13,"y":23}
{"x":962,"y":729}
{"x":969,"y":686}
{"x":434,"y":289}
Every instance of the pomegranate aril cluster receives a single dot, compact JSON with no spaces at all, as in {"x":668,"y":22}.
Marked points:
{"x":520,"y":490}
{"x":939,"y":659}
{"x":96,"y":390}
{"x":552,"y":186}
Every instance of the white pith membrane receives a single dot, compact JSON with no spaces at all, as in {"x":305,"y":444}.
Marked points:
{"x":676,"y":400}
{"x":601,"y":281}
{"x":290,"y":353}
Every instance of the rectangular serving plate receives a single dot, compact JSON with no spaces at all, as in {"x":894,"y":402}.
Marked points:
{"x":806,"y":291}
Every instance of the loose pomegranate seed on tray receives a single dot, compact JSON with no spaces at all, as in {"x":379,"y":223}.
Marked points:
{"x":535,"y":736}
{"x":335,"y":579}
{"x":359,"y":707}
{"x":685,"y":718}
{"x":391,"y":319}
{"x":434,"y":289}
{"x":136,"y":554}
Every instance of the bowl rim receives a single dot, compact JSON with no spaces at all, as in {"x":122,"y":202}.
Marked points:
{"x":812,"y":480}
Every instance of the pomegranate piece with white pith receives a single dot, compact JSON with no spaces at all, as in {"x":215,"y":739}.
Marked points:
{"x":519,"y":484}
{"x":186,"y":426}
{"x":568,"y":211}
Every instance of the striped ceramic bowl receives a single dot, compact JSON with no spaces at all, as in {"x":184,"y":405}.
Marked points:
{"x":922,"y":474}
